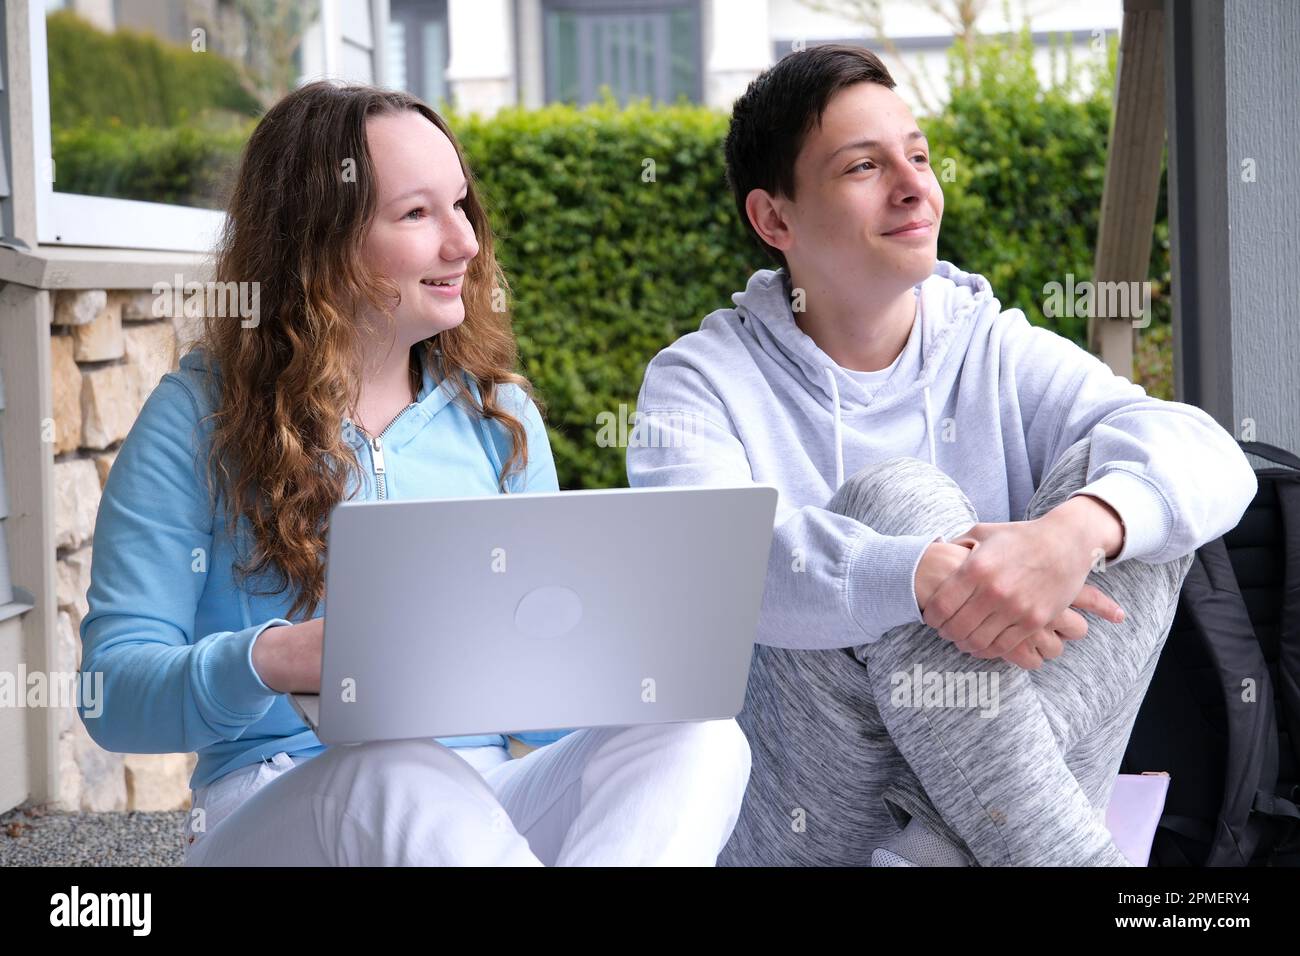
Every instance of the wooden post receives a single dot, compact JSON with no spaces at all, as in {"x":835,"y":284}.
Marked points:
{"x":1128,"y":204}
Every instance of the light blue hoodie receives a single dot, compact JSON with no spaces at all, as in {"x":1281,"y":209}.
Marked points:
{"x":988,"y":398}
{"x":169,"y":629}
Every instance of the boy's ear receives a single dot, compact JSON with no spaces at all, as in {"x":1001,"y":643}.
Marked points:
{"x":767,"y":214}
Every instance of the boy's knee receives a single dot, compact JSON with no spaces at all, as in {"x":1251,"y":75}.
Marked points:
{"x":904,"y":496}
{"x":1067,"y":475}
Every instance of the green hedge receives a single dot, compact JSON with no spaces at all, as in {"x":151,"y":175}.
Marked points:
{"x":1030,"y":162}
{"x":607,"y":268}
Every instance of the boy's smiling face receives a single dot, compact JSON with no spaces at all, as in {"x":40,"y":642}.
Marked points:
{"x":862,"y":175}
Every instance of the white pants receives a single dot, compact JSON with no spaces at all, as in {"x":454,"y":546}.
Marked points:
{"x":655,"y":794}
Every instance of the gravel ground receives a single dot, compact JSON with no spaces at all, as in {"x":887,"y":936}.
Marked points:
{"x":33,"y":836}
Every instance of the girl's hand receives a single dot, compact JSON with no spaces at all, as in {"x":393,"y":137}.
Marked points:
{"x":288,"y":658}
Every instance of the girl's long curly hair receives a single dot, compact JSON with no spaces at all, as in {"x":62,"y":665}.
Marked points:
{"x":296,"y":224}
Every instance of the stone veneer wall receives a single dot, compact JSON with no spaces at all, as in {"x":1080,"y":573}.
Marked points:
{"x":108,"y":351}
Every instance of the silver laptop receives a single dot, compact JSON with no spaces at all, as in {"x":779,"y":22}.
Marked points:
{"x":531,"y":612}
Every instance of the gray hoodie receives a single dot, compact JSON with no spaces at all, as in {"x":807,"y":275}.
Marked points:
{"x":988,"y":398}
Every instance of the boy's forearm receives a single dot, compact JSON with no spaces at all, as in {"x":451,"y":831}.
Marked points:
{"x":1092,"y":522}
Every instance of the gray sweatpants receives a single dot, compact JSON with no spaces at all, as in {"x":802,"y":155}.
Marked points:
{"x":1013,"y":767}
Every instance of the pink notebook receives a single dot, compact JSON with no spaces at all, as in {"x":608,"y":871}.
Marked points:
{"x":1134,"y":813}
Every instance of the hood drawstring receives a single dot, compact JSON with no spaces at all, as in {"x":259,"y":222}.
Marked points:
{"x":839,"y":428}
{"x":839,"y":431}
{"x":929,"y":427}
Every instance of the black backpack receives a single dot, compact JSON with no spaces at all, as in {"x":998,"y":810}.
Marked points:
{"x":1222,"y":714}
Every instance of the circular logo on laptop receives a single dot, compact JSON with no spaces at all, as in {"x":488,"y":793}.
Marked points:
{"x":549,"y":611}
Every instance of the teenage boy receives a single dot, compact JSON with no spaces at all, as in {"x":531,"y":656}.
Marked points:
{"x":957,"y":489}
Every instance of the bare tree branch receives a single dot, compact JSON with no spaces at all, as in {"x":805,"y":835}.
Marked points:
{"x":870,"y":14}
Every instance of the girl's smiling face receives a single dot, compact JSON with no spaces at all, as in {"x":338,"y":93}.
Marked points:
{"x":420,"y":236}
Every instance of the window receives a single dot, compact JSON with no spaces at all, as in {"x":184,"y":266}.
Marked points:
{"x":418,"y":49}
{"x":637,"y":48}
{"x":140,"y":108}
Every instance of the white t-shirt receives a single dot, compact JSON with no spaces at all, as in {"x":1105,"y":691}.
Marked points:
{"x":873,"y":380}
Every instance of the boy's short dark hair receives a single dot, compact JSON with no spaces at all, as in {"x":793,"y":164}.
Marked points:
{"x":772,"y":119}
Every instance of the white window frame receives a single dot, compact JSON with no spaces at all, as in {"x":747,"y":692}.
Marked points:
{"x":72,"y":219}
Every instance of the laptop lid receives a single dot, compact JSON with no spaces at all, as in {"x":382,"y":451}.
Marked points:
{"x":529,"y":612}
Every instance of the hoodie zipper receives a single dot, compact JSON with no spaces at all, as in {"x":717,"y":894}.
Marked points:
{"x":377,"y":452}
